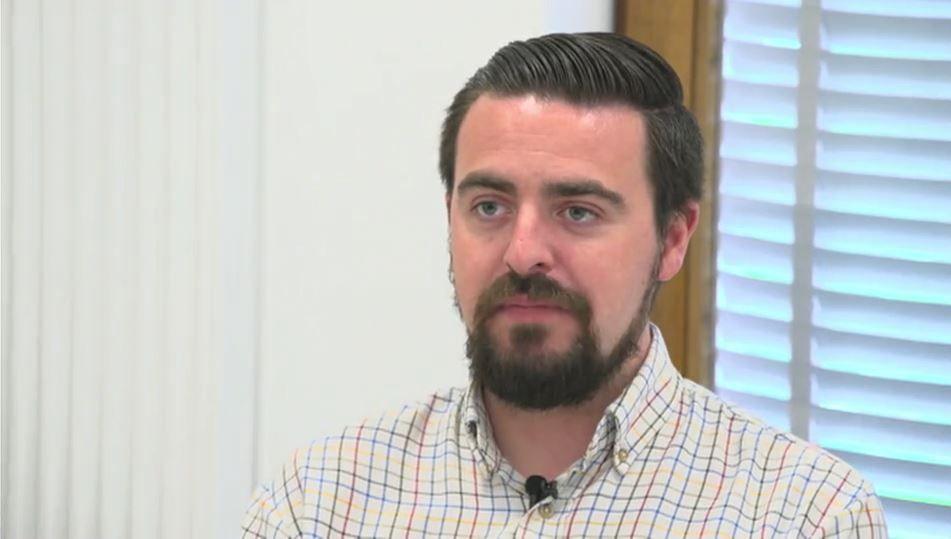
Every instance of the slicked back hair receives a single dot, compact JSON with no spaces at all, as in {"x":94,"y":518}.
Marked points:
{"x":590,"y":70}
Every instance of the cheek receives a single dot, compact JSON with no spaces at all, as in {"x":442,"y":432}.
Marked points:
{"x":609,"y":298}
{"x":614,"y":287}
{"x":472,"y":272}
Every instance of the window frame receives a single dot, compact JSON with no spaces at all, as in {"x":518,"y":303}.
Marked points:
{"x":687,"y":33}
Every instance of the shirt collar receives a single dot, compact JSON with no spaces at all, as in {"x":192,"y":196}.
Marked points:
{"x":645,"y":407}
{"x":478,"y":430}
{"x":631,"y":422}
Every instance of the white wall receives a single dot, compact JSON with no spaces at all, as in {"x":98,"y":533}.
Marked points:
{"x":357,"y":306}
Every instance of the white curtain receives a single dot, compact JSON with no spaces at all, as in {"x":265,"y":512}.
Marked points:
{"x":173,"y":324}
{"x":130,"y":230}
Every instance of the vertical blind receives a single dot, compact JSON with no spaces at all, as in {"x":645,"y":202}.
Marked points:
{"x":834,"y":237}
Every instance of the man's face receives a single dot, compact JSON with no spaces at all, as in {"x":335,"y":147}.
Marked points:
{"x":552,"y":237}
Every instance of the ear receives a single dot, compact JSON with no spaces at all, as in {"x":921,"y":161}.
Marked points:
{"x":676,"y":238}
{"x":448,"y":208}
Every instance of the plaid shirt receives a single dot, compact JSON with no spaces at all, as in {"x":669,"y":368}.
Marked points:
{"x":668,"y":459}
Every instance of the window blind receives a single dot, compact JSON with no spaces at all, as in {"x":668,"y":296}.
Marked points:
{"x":834,"y":237}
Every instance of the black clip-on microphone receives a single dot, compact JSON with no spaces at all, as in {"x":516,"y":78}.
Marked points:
{"x":539,"y":488}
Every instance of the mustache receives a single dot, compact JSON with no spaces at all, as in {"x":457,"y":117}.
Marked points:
{"x":536,"y":287}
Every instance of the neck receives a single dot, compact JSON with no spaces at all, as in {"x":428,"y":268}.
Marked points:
{"x":547,"y":442}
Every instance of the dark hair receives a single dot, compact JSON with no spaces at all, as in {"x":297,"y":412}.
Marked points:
{"x":592,"y":69}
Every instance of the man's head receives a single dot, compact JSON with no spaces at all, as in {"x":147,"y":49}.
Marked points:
{"x":572,"y":175}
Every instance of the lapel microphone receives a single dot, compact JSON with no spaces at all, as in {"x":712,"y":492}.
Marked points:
{"x":539,"y":488}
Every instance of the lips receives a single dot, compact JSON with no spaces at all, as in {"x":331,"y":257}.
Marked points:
{"x":521,"y":307}
{"x":519,"y":303}
{"x":522,"y":302}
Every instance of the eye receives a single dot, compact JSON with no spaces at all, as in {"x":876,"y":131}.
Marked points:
{"x":488,"y":209}
{"x":579,"y":214}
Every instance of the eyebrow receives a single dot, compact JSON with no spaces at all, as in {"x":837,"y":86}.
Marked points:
{"x":575,"y":188}
{"x":486,"y":181}
{"x":555,"y":189}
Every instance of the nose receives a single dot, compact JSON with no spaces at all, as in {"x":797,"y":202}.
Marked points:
{"x":529,"y":249}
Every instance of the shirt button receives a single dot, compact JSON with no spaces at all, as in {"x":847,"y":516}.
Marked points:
{"x":546,"y":511}
{"x":622,"y":455}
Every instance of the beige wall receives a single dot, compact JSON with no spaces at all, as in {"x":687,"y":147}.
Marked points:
{"x":357,"y":305}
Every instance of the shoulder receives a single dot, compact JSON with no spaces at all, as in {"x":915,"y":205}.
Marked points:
{"x":316,"y":477}
{"x":376,"y":442}
{"x":748,"y":436}
{"x":791,"y":478}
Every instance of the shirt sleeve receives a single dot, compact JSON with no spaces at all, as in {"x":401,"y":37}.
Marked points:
{"x":274,"y":511}
{"x":861,"y":518}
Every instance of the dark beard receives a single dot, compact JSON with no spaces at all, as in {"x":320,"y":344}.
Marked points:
{"x":539,"y":381}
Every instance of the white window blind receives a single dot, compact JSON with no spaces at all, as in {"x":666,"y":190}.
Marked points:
{"x":834,"y":237}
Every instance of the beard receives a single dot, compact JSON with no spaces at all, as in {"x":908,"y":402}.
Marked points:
{"x":526,"y":377}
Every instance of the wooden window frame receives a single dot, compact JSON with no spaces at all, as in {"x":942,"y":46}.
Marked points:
{"x":688,"y":34}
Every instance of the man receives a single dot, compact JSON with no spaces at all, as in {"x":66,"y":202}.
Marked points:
{"x":572,"y":175}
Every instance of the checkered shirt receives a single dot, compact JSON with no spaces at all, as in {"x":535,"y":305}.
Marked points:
{"x":668,"y":459}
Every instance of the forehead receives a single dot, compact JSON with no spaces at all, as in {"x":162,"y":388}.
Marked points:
{"x":529,"y":137}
